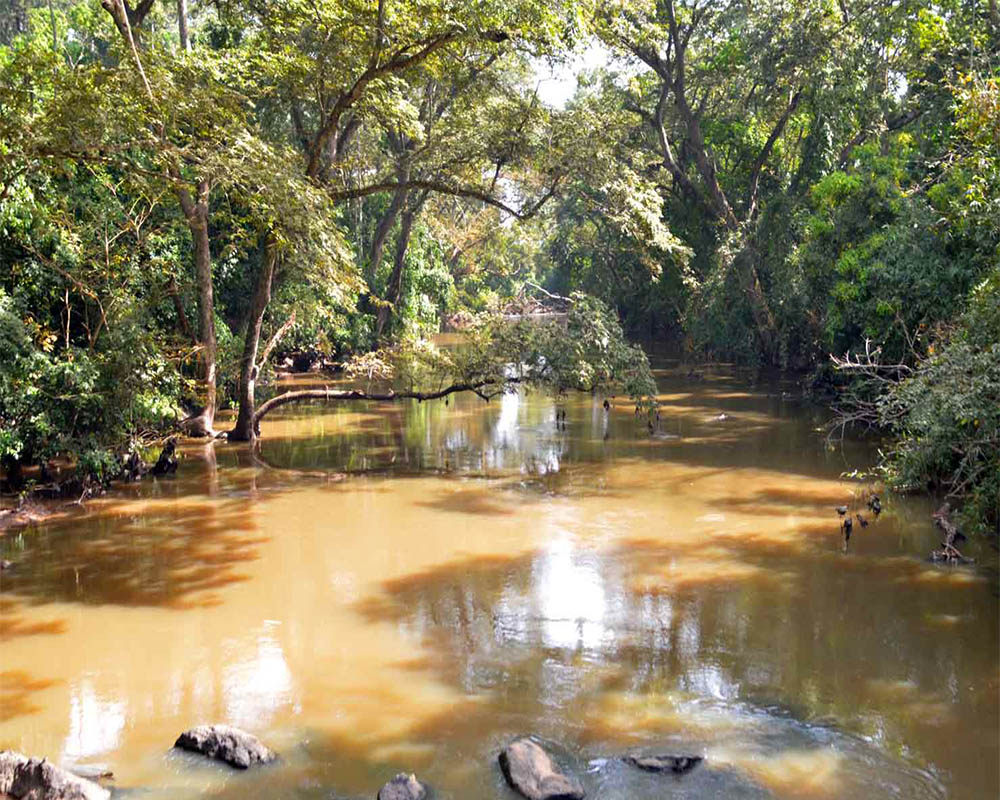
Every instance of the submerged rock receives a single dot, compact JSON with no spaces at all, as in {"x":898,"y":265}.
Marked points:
{"x":24,"y":778}
{"x":678,"y":765}
{"x":224,"y":743}
{"x":531,"y":771}
{"x":403,"y":787}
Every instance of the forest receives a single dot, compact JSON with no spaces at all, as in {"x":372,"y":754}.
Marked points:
{"x":195,"y":193}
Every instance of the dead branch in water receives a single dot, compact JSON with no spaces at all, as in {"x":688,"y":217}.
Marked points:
{"x":949,"y":553}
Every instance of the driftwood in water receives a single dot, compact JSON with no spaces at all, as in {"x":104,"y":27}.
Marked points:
{"x":949,"y":552}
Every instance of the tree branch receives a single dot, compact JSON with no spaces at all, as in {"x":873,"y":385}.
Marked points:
{"x":400,"y":61}
{"x":485,"y":389}
{"x":765,"y":153}
{"x":274,"y":340}
{"x":444,"y":188}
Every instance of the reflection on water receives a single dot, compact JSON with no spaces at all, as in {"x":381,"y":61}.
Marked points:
{"x":487,"y":570}
{"x":258,"y":683}
{"x":95,"y":725}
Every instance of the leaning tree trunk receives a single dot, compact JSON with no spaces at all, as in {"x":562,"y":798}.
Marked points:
{"x":245,"y":429}
{"x":196,"y":213}
{"x":394,"y":288}
{"x":382,"y":233}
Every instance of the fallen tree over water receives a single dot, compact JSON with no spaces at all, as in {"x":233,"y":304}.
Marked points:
{"x":585,"y":350}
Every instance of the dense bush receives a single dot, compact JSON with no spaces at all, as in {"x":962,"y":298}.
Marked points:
{"x":946,"y":415}
{"x":71,"y":400}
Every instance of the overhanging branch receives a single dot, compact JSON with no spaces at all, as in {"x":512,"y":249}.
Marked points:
{"x":445,"y":188}
{"x":485,"y":389}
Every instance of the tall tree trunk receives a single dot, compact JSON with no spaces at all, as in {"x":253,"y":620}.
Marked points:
{"x":394,"y":288}
{"x":245,"y":431}
{"x":196,"y":213}
{"x":182,"y":25}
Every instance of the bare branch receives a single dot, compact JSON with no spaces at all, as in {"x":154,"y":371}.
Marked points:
{"x":278,"y":334}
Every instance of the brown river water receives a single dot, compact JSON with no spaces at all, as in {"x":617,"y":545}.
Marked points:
{"x":484,"y":571}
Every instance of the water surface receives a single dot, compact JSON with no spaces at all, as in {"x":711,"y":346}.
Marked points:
{"x":406,"y":587}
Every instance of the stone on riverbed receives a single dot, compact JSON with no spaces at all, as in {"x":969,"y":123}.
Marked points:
{"x":24,"y":778}
{"x":678,"y":765}
{"x":403,"y":787}
{"x":532,"y":773}
{"x":225,"y":743}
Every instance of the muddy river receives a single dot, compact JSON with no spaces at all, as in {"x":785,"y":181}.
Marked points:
{"x":381,"y":588}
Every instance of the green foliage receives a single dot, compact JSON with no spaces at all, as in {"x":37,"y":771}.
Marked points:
{"x":807,"y":177}
{"x":884,"y":259}
{"x":947,"y":414}
{"x":584,"y":351}
{"x":55,"y":401}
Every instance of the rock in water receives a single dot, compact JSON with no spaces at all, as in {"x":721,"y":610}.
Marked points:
{"x":530,"y":771}
{"x":37,"y":779}
{"x":403,"y":787}
{"x":224,"y":743}
{"x":678,"y":765}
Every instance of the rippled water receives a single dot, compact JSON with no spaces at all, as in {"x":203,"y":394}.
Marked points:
{"x":484,"y":571}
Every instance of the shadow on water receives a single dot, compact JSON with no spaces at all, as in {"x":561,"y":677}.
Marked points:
{"x":172,"y":560}
{"x":173,"y":543}
{"x":17,"y":690}
{"x":13,"y":625}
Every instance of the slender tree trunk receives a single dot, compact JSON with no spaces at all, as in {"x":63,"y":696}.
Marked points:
{"x":394,"y":288}
{"x":196,"y":214}
{"x":182,"y":25}
{"x":245,"y":430}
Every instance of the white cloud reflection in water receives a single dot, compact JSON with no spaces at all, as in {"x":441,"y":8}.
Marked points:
{"x":95,"y":725}
{"x":505,"y":433}
{"x":570,"y":598}
{"x":257,"y":687}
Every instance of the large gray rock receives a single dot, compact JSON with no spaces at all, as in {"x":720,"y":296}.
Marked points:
{"x":531,"y":772}
{"x":26,"y":778}
{"x":678,"y":765}
{"x":403,"y":787}
{"x":225,"y":743}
